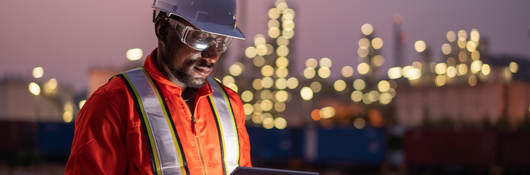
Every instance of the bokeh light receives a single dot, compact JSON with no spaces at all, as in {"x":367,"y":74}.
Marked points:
{"x":394,"y":73}
{"x":309,"y":72}
{"x":236,"y":69}
{"x":282,"y":62}
{"x":327,"y":112}
{"x":420,"y":46}
{"x":363,"y":68}
{"x":377,"y":43}
{"x":446,"y":48}
{"x":324,"y":72}
{"x":367,"y":29}
{"x":339,"y":85}
{"x":306,"y":93}
{"x":281,"y":96}
{"x":247,"y":96}
{"x":34,"y":88}
{"x":82,"y":103}
{"x":451,"y":36}
{"x":514,"y":67}
{"x":356,"y":96}
{"x":281,"y":83}
{"x":378,"y":60}
{"x":267,"y":82}
{"x":251,"y":52}
{"x":292,"y":83}
{"x":249,"y":109}
{"x":38,"y":72}
{"x":440,"y":80}
{"x":440,"y":68}
{"x":383,"y":86}
{"x":359,"y":84}
{"x":325,"y":62}
{"x":280,"y":123}
{"x":134,"y":54}
{"x":316,"y":86}
{"x":267,"y":70}
{"x":472,"y":80}
{"x":259,"y":61}
{"x":347,"y":71}
{"x":364,"y":43}
{"x":50,"y":87}
{"x":359,"y":123}
{"x":486,"y":69}
{"x":311,"y":62}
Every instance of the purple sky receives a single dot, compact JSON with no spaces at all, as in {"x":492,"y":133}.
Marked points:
{"x":68,"y":37}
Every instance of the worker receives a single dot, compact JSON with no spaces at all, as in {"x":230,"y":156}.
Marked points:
{"x":169,"y":116}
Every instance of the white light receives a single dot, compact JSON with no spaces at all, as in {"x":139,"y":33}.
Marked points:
{"x":413,"y":73}
{"x":50,"y":87}
{"x":137,"y":53}
{"x":394,"y":73}
{"x":327,"y":112}
{"x":514,"y":67}
{"x":306,"y":93}
{"x":82,"y":103}
{"x":34,"y":88}
{"x":38,"y":72}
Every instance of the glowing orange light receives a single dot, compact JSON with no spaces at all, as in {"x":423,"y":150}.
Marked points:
{"x":315,"y":114}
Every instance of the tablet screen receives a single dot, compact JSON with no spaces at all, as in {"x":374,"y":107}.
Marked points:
{"x":268,"y":171}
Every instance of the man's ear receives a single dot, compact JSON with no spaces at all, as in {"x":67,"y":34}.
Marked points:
{"x":162,"y":28}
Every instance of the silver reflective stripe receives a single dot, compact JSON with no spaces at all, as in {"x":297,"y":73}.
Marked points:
{"x":227,"y":126}
{"x":166,"y":154}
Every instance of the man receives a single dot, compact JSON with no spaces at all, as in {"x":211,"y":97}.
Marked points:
{"x":168,"y":117}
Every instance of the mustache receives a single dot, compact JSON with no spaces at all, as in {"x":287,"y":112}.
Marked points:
{"x":202,"y":63}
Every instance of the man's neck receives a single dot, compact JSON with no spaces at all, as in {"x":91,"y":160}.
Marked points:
{"x":162,"y":66}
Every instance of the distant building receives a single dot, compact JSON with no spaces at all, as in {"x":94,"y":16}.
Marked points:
{"x":50,"y":105}
{"x":501,"y":95}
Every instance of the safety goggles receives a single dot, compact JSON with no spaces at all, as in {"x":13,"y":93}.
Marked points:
{"x":200,"y":40}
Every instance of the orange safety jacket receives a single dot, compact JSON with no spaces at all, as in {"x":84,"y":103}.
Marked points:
{"x":109,"y":137}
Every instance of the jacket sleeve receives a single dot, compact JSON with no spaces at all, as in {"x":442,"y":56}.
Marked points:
{"x":98,"y":145}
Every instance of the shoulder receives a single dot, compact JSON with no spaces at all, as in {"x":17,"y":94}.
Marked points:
{"x":111,"y":98}
{"x":115,"y":89}
{"x":105,"y":110}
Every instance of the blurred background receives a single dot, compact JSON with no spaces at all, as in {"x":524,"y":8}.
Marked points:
{"x":337,"y":87}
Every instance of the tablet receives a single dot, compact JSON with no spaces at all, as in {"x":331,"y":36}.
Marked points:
{"x":268,"y":171}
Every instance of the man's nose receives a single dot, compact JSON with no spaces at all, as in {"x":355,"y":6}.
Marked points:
{"x":211,"y":54}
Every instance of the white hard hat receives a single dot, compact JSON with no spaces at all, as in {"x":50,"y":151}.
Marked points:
{"x":214,"y":16}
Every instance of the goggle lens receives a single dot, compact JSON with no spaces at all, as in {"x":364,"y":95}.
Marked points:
{"x":201,"y":40}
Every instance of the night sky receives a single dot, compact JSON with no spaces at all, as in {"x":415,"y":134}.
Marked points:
{"x":69,"y":37}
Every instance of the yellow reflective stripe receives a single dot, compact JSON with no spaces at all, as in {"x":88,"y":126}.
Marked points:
{"x":226,"y":124}
{"x":221,"y":133}
{"x":168,"y":121}
{"x":218,"y":120}
{"x":233,"y":118}
{"x":147,"y":125}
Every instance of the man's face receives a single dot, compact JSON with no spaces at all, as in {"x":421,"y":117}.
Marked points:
{"x":188,"y":65}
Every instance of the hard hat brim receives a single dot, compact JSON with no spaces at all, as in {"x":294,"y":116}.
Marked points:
{"x":225,"y":30}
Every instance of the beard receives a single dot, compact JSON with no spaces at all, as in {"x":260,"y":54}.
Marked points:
{"x":185,"y":75}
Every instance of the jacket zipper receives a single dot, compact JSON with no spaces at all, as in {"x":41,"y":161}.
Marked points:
{"x":200,"y":155}
{"x":197,"y":139}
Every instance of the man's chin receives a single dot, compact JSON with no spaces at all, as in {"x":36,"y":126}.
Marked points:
{"x":196,"y":82}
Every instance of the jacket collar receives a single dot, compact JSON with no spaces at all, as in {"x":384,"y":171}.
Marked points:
{"x":164,"y":82}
